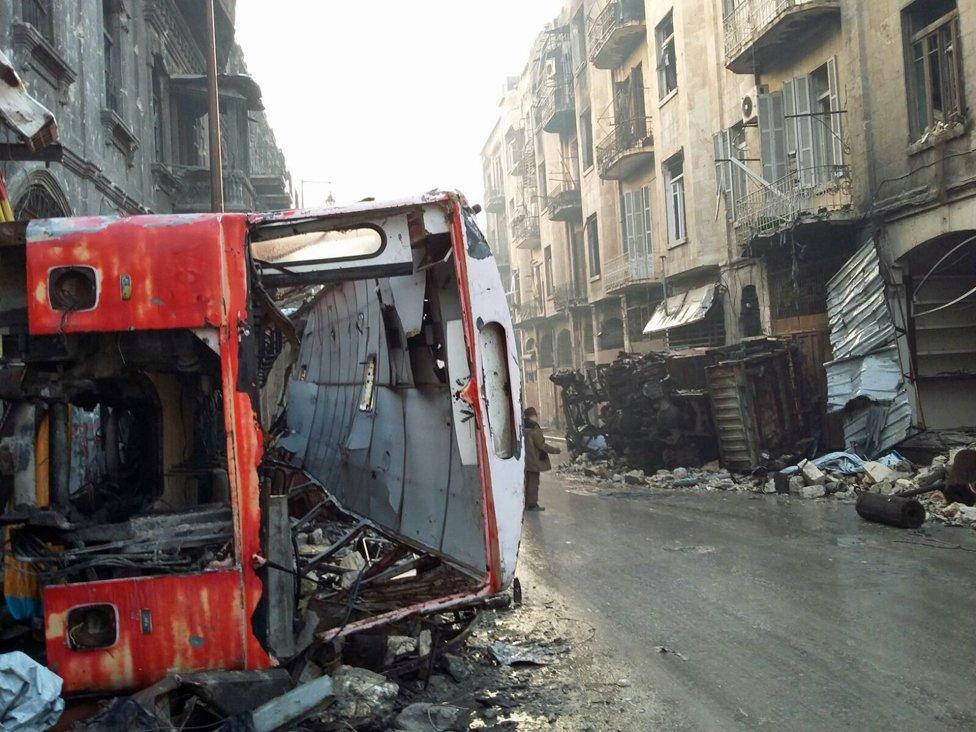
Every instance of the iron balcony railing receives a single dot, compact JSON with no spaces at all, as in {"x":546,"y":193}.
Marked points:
{"x":628,"y":269}
{"x":528,"y":310}
{"x":494,"y":199}
{"x":564,"y":202}
{"x":627,"y":136}
{"x":566,"y":295}
{"x":817,"y":191}
{"x":615,"y":15}
{"x":525,"y":227}
{"x":556,"y":106}
{"x":750,"y":19}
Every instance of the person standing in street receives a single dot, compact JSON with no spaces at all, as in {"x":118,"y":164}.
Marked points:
{"x":537,"y":452}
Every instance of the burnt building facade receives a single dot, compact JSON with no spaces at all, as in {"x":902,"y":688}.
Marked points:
{"x":126,"y":80}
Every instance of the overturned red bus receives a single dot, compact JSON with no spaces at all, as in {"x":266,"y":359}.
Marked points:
{"x":171,"y":383}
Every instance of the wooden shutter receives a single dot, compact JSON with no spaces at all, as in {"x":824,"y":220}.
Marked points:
{"x":628,"y":222}
{"x":789,"y":110}
{"x":772,"y":135}
{"x":648,"y":240}
{"x":805,"y":158}
{"x":835,"y":117}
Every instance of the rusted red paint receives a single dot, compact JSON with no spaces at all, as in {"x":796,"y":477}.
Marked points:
{"x":187,"y":272}
{"x":193,"y":627}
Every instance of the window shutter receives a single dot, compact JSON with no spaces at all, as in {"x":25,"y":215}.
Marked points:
{"x":628,"y":222}
{"x":789,"y":110}
{"x":648,"y":247}
{"x":835,"y":117}
{"x":805,"y":159}
{"x":718,"y":139}
{"x":773,"y":136}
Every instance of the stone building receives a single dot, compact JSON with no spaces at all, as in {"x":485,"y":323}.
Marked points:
{"x":704,"y":168}
{"x":126,"y":80}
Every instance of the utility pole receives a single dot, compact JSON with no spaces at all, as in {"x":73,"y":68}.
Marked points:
{"x":213,"y":92}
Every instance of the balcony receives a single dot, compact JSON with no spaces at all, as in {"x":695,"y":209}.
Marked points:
{"x":556,"y":108}
{"x":821,"y":194}
{"x":628,"y":270}
{"x":565,"y":203}
{"x":192,"y":190}
{"x":757,"y":31}
{"x":628,"y":148}
{"x":615,"y":32}
{"x":525,"y":228}
{"x":494,"y":200}
{"x":527,"y":311}
{"x":569,"y":295}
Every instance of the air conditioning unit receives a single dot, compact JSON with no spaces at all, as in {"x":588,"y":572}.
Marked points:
{"x":750,"y":106}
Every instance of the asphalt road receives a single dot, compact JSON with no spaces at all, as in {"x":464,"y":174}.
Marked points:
{"x":786,"y":613}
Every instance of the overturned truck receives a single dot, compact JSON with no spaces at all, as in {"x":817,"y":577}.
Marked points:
{"x":182,"y":394}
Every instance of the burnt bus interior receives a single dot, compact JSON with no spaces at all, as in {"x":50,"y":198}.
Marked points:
{"x":113,"y":452}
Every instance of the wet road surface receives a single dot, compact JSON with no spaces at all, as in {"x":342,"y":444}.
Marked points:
{"x":786,"y":613}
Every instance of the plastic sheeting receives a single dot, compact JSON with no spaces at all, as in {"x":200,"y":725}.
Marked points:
{"x":30,"y":695}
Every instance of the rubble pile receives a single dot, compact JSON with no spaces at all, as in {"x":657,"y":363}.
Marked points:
{"x":835,"y":476}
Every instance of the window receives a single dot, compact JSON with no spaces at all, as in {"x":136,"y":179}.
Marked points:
{"x":564,"y":348}
{"x":537,"y":282}
{"x":593,"y":246}
{"x":112,"y":56}
{"x":38,"y":13}
{"x":667,"y":67}
{"x":547,"y":259}
{"x":800,"y":128}
{"x":674,"y":175}
{"x":730,"y":173}
{"x":577,"y":40}
{"x":636,"y":227}
{"x":935,"y":64}
{"x":160,"y":111}
{"x":541,"y":182}
{"x":611,"y":334}
{"x":546,"y":350}
{"x":586,"y":139}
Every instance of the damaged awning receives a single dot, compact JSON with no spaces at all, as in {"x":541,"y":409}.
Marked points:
{"x":684,"y":309}
{"x":28,"y":118}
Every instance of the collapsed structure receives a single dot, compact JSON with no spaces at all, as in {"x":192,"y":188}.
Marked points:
{"x":170,"y":433}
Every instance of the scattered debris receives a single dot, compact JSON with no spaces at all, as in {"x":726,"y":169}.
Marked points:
{"x":509,"y":654}
{"x":30,"y":695}
{"x":426,"y":717}
{"x":669,"y":651}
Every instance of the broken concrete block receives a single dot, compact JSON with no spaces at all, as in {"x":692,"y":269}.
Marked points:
{"x":931,"y":475}
{"x":422,"y":717}
{"x":362,"y":699}
{"x":904,"y":484}
{"x":811,"y":491}
{"x":712,"y":467}
{"x":876,"y":472}
{"x":680,"y":473}
{"x":424,"y":643}
{"x":812,"y":474}
{"x":770,"y":486}
{"x":634,"y":477}
{"x":457,"y":668}
{"x":399,"y":647}
{"x":884,"y":487}
{"x":796,"y":483}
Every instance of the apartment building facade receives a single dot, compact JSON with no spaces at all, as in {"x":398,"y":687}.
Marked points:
{"x":695,"y":173}
{"x":126,"y":80}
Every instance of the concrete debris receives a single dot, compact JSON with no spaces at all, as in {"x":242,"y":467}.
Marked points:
{"x":362,"y":698}
{"x":425,"y":717}
{"x":812,"y":474}
{"x":509,"y":654}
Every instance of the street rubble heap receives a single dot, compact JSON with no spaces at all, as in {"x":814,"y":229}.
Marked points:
{"x":837,"y":476}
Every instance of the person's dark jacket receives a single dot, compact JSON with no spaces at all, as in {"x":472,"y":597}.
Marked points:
{"x":537,"y":450}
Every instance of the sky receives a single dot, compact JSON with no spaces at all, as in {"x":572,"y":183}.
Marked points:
{"x":386,"y":98}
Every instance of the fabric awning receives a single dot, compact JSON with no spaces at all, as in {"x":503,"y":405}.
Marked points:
{"x":684,"y":309}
